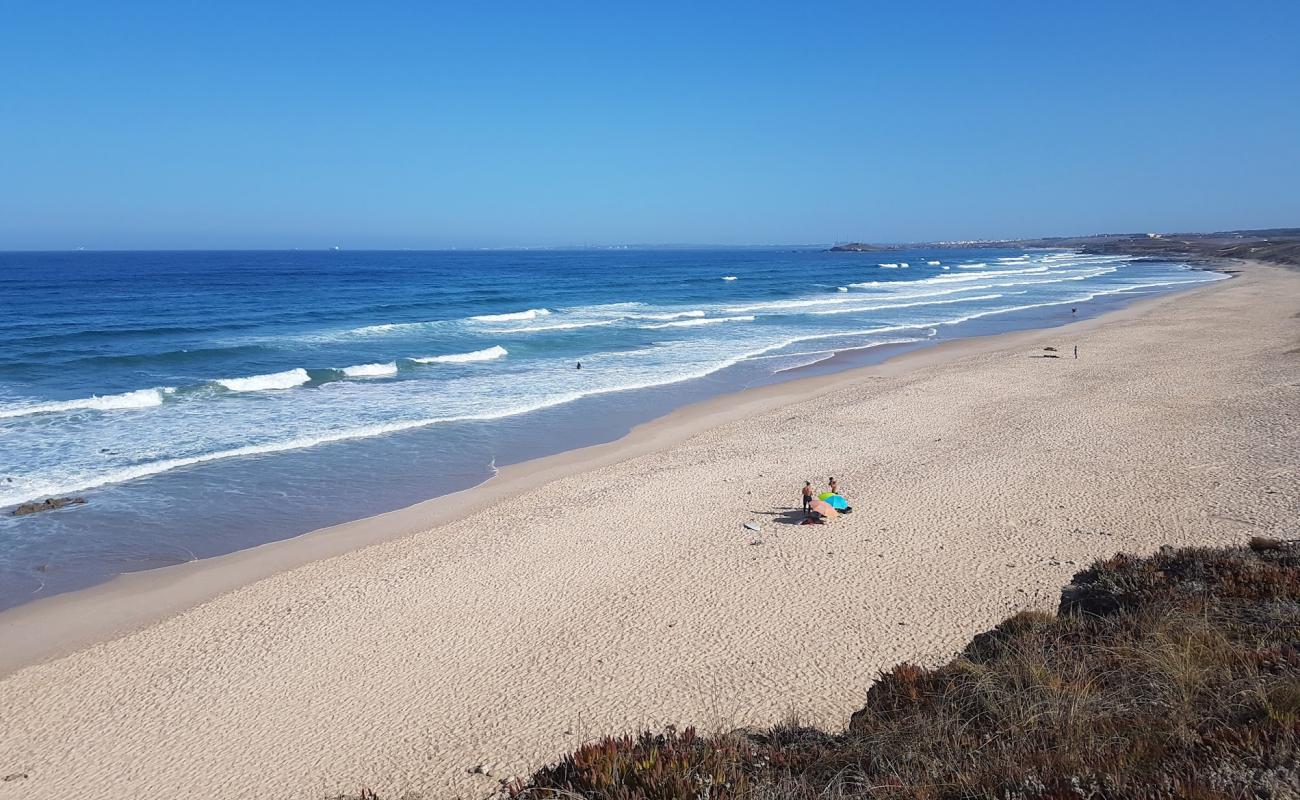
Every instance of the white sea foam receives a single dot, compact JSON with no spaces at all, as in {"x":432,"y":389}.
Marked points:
{"x":27,"y":491}
{"x":992,"y":311}
{"x":977,"y":265}
{"x":939,"y":292}
{"x":670,"y":315}
{"x":690,"y":323}
{"x":606,"y":306}
{"x":904,"y":264}
{"x":841,"y":288}
{"x":888,"y":266}
{"x":275,"y":380}
{"x":933,"y":263}
{"x":487,"y":354}
{"x":385,"y":328}
{"x":946,"y":279}
{"x":1082,"y":276}
{"x":559,"y":326}
{"x":370,"y":370}
{"x":728,"y":277}
{"x":812,"y":337}
{"x":833,"y":351}
{"x":798,"y":306}
{"x":781,"y":306}
{"x":140,"y":398}
{"x":886,"y":306}
{"x":532,"y":313}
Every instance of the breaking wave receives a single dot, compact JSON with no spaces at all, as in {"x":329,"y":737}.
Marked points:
{"x":885,"y":306}
{"x":559,"y":326}
{"x":370,"y":370}
{"x":140,"y":398}
{"x":257,"y":383}
{"x":486,"y":354}
{"x":517,"y":316}
{"x":690,"y":323}
{"x":943,"y":279}
{"x":670,"y":315}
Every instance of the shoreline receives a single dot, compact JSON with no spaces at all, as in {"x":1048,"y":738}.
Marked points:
{"x":49,"y":628}
{"x":629,"y":595}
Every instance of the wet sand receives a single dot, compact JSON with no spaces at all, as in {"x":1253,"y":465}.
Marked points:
{"x":610,"y":588}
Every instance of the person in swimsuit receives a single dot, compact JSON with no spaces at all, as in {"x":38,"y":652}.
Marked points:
{"x":835,"y":487}
{"x":807,"y":497}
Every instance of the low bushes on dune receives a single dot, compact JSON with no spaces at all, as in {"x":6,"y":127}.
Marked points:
{"x":1176,"y":675}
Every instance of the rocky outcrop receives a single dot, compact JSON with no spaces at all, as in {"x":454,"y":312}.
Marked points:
{"x":856,"y":247}
{"x":48,"y":504}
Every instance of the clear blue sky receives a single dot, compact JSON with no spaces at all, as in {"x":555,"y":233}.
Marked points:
{"x":280,"y":124}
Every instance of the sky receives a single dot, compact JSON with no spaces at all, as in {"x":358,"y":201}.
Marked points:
{"x":429,"y":125}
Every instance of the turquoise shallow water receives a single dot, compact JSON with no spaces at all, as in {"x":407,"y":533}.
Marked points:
{"x":265,"y":394}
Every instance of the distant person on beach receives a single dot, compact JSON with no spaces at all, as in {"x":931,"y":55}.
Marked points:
{"x":835,"y":487}
{"x":1074,"y":310}
{"x":1076,"y":351}
{"x":579,"y":365}
{"x":807,"y":497}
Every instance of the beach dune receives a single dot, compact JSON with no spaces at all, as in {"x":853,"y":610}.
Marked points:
{"x":615,"y":588}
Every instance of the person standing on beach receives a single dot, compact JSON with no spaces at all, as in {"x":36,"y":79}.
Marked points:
{"x":807,"y":497}
{"x":835,"y":487}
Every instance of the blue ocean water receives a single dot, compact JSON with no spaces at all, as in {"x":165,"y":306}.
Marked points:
{"x":207,"y":401}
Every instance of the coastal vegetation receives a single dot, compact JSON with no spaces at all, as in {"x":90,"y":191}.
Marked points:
{"x":1174,"y":675}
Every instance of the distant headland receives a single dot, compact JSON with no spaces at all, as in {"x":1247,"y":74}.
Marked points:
{"x":1278,"y":245}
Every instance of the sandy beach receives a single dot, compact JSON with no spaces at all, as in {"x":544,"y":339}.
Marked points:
{"x":433,"y":651}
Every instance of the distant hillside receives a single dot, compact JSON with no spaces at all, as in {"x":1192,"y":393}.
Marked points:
{"x":1277,"y":245}
{"x":1174,"y":676}
{"x":1280,"y":247}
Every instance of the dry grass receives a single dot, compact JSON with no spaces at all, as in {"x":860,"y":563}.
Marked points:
{"x":1171,"y":676}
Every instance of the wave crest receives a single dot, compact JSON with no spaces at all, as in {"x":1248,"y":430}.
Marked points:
{"x":532,"y":313}
{"x":671,"y":315}
{"x":690,"y":323}
{"x":140,"y":398}
{"x":370,"y":370}
{"x":274,"y":380}
{"x":486,"y":354}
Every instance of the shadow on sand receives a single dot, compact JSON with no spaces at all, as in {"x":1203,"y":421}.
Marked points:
{"x":788,"y":515}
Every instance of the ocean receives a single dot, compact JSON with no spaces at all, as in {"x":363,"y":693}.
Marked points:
{"x":204,"y":402}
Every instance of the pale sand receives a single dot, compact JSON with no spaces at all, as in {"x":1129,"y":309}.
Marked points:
{"x":629,"y":595}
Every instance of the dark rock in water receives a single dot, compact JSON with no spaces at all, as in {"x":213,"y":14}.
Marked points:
{"x":857,"y":247}
{"x":48,"y":504}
